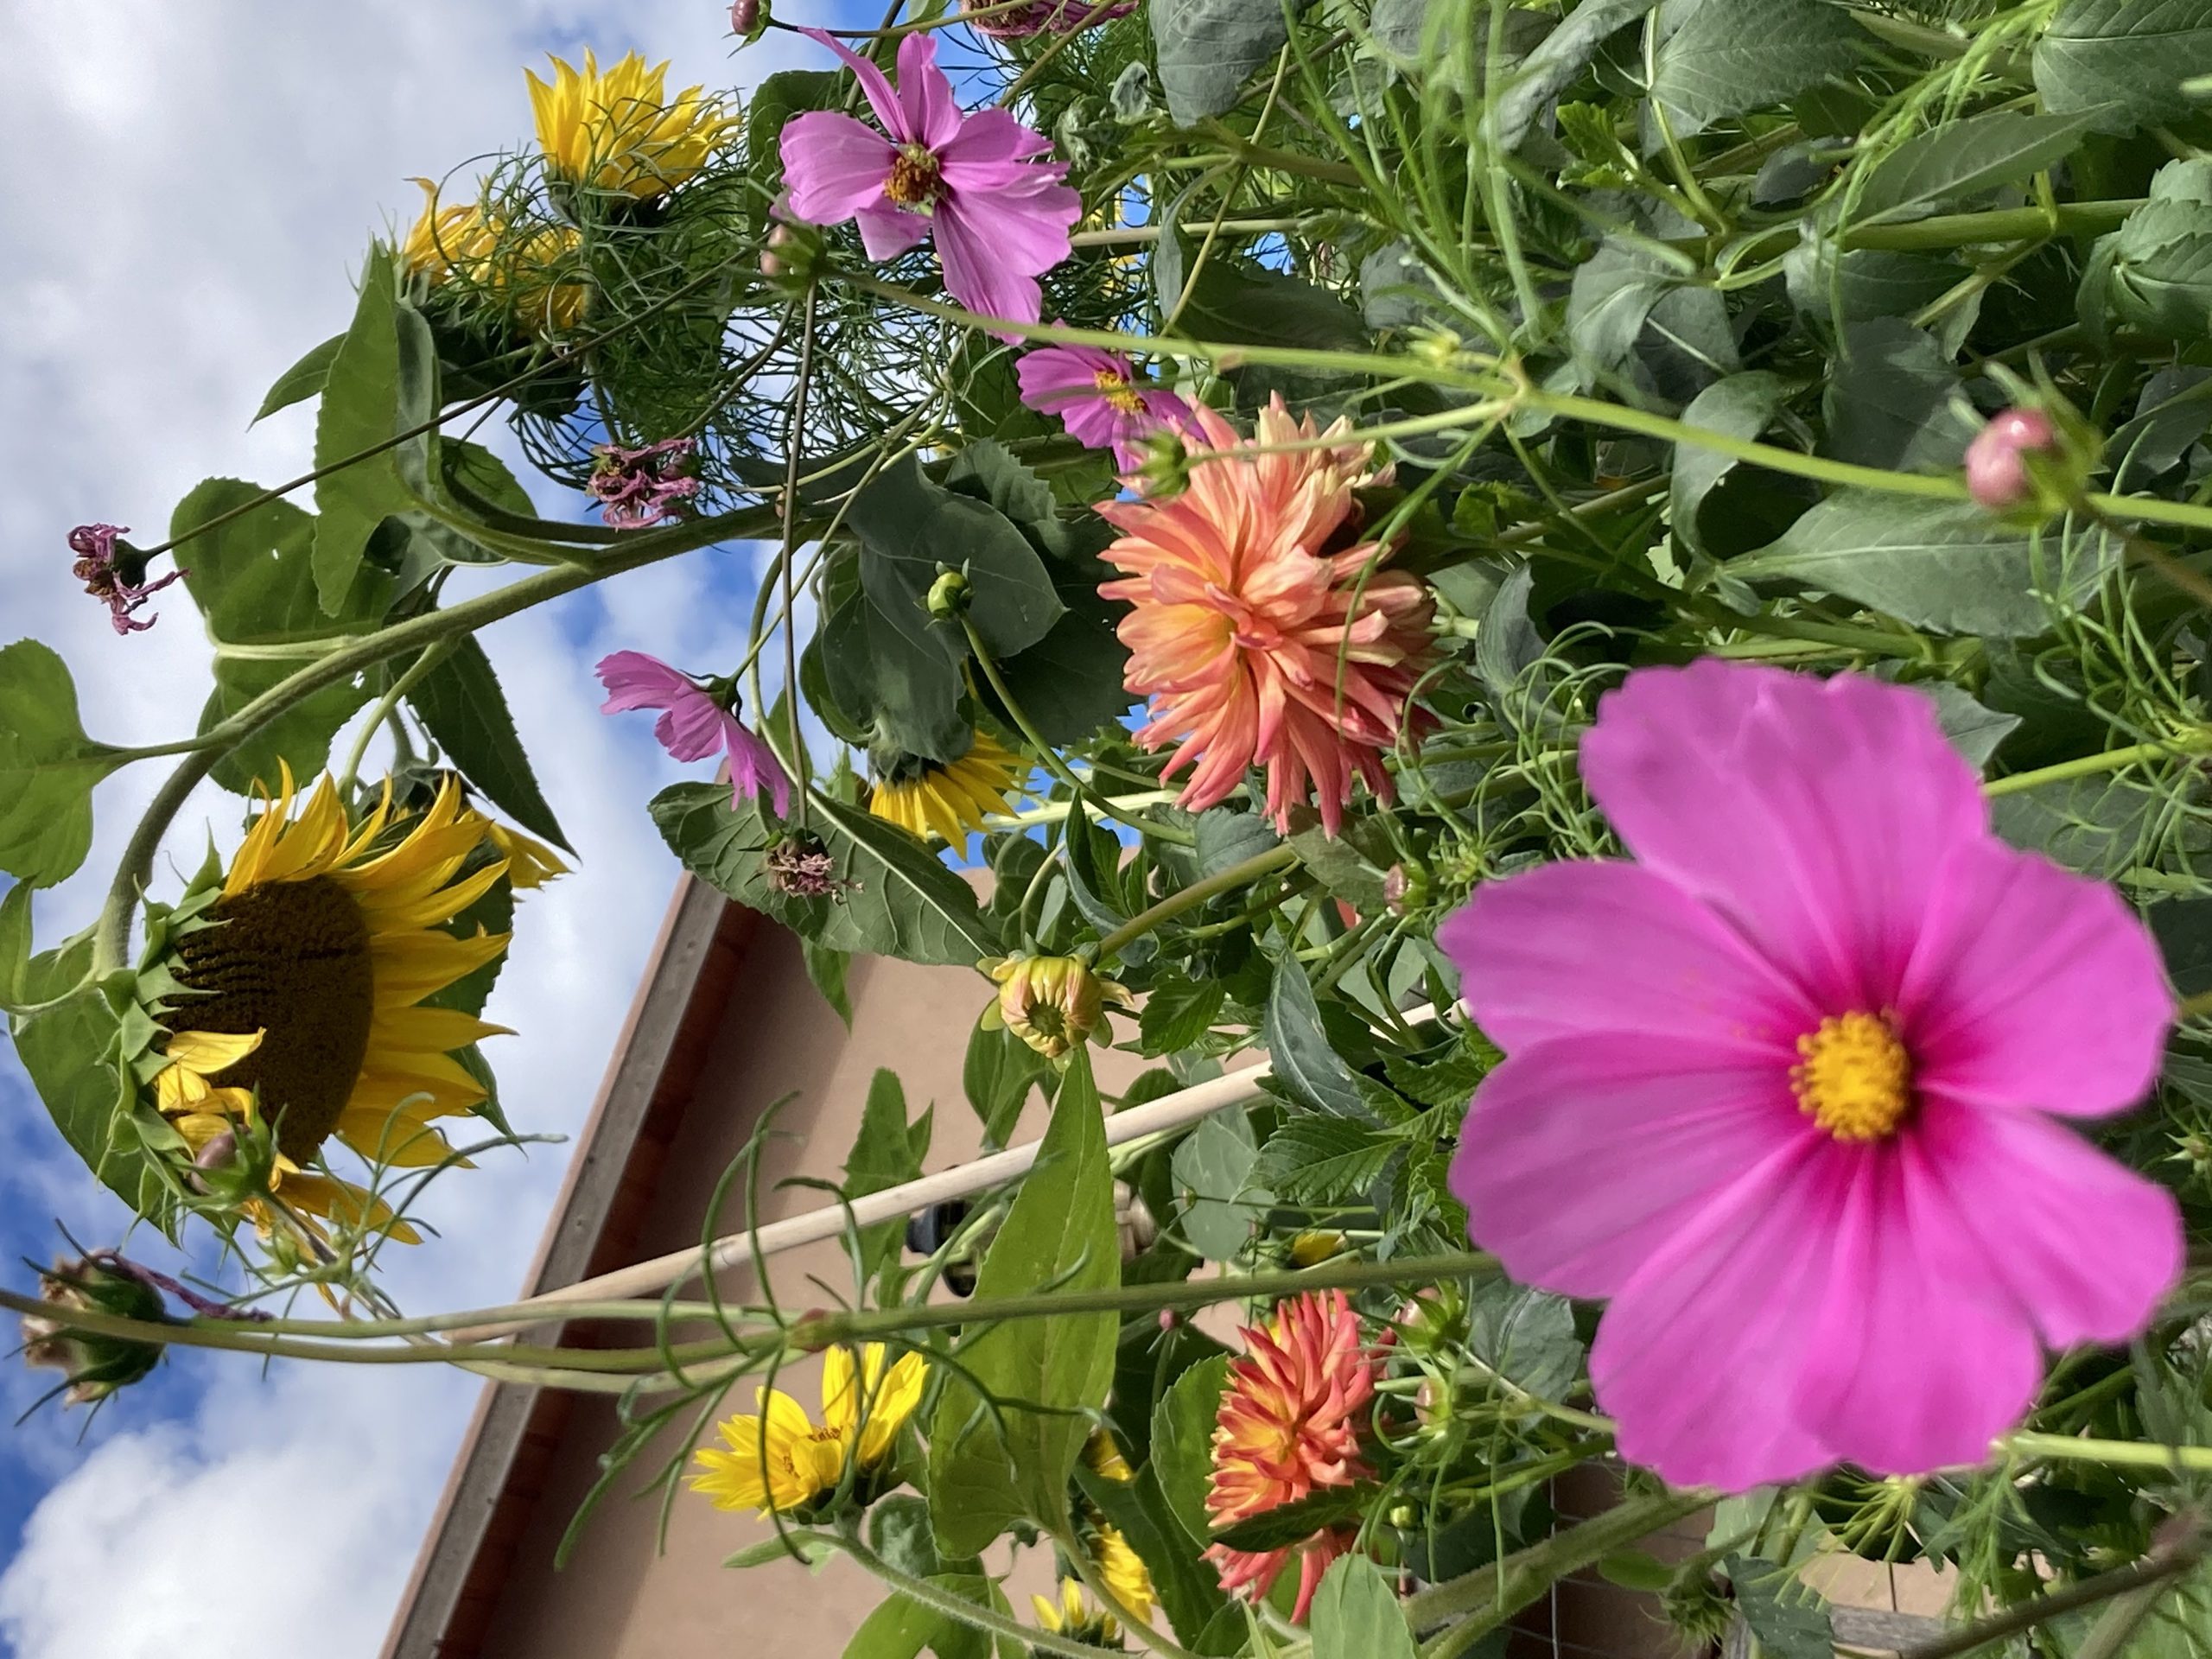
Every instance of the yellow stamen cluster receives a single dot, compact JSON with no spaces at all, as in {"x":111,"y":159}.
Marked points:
{"x":1120,"y":394}
{"x":1853,"y":1077}
{"x":917,"y":177}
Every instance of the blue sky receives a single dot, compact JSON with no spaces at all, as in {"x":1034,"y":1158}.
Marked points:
{"x":192,"y":188}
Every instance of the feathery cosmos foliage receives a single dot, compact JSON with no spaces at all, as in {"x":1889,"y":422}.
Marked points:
{"x":1619,"y":587}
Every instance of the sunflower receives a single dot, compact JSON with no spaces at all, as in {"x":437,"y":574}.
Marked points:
{"x":947,"y":798}
{"x":779,"y":1459}
{"x":530,"y":863}
{"x":464,"y":242}
{"x":304,"y":981}
{"x":1073,"y":1617}
{"x":1123,"y":1570}
{"x":617,"y":131}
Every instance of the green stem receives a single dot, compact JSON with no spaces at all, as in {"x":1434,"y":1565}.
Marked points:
{"x":1140,"y":235}
{"x":1236,"y":875}
{"x":941,"y":1600}
{"x":2151,"y":1572}
{"x":2089,"y":765}
{"x":431,"y":657}
{"x":2110,"y":1454}
{"x":1939,"y":231}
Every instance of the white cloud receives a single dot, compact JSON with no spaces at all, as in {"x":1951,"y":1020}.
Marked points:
{"x":194,"y":186}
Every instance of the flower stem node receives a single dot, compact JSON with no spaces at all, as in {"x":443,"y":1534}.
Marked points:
{"x":950,"y":594}
{"x":95,"y":1365}
{"x":1051,"y":1003}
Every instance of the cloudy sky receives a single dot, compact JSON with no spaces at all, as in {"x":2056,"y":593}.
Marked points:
{"x":192,"y":186}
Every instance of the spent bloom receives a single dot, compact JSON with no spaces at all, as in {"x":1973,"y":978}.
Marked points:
{"x":1264,"y":632}
{"x":999,"y":216}
{"x":778,"y":1458}
{"x":1790,"y":1088}
{"x":697,"y":721}
{"x":1052,"y":1003}
{"x":1027,"y":18}
{"x":1288,"y":1426}
{"x":637,"y":488}
{"x":617,"y":131}
{"x":1997,"y":459}
{"x":1100,"y":398}
{"x":114,"y":573}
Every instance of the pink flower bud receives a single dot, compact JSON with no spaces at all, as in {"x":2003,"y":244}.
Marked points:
{"x":744,"y":16}
{"x":1997,"y":459}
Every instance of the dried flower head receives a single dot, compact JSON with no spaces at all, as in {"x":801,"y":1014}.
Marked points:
{"x":637,"y":488}
{"x":114,"y":572}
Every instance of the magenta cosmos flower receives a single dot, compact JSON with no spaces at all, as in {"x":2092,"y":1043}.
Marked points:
{"x":1000,"y":217}
{"x":695,"y":723}
{"x":1787,"y":1088}
{"x":1100,"y":398}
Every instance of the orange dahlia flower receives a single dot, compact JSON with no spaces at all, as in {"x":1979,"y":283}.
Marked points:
{"x":1264,"y":632}
{"x":1289,"y":1425}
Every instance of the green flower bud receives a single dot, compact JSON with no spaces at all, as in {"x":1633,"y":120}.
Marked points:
{"x":95,"y":1365}
{"x":949,"y":595}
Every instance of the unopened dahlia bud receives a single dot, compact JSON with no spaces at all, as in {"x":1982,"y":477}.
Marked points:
{"x":1051,"y":1002}
{"x":1998,"y":469}
{"x":95,"y":1365}
{"x":949,"y":595}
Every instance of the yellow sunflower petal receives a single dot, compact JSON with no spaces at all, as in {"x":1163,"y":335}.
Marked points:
{"x":345,"y":1204}
{"x":398,"y":1138}
{"x":411,"y":966}
{"x":210,"y":1052}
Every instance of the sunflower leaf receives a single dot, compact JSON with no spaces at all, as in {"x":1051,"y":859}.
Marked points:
{"x":48,"y":767}
{"x":461,"y":703}
{"x":997,"y":1076}
{"x":304,"y":379}
{"x":1006,"y":1451}
{"x":1355,"y":1615}
{"x":888,"y":1151}
{"x":1305,"y":1062}
{"x":1182,"y":1442}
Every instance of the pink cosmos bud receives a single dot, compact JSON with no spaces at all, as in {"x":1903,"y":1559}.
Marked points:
{"x":218,"y":1152}
{"x":744,"y":16}
{"x":1997,"y":459}
{"x":772,"y":265}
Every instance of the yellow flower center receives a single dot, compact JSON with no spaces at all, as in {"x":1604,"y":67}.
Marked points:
{"x":1854,"y":1078}
{"x":917,"y":177}
{"x":289,"y":959}
{"x":1120,"y":394}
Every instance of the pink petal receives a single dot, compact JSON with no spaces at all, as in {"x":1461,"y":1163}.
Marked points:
{"x":1025,"y":225}
{"x":2085,"y":1248}
{"x":1582,"y":1157}
{"x":887,"y":231}
{"x":933,"y":115}
{"x":2035,"y":988}
{"x":1816,"y":815}
{"x":1567,"y":949}
{"x":975,"y":276}
{"x":692,"y":727}
{"x":1913,"y":1365}
{"x":1695,"y":1356}
{"x":991,"y":135}
{"x":753,"y":767}
{"x":835,"y":166}
{"x":1054,"y":376}
{"x":633,"y":680}
{"x":880,"y":98}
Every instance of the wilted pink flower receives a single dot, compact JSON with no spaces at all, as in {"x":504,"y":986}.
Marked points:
{"x":1100,"y":398}
{"x":695,"y":722}
{"x":640,"y":488}
{"x":803,"y":867}
{"x":1997,"y":459}
{"x":1000,"y":217}
{"x":115,"y":574}
{"x":994,"y":17}
{"x":1787,"y":1087}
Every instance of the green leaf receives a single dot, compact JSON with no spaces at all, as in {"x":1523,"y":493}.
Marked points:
{"x":48,"y":767}
{"x":2124,"y":60}
{"x":1178,"y":1012}
{"x":383,"y":381}
{"x":909,"y":525}
{"x":901,"y":1628}
{"x":898,"y":900}
{"x":1952,"y":567}
{"x":1789,"y":1618}
{"x":1324,"y":1161}
{"x":786,"y":93}
{"x":1182,"y":1442}
{"x":1094,"y":856}
{"x":1212,"y":1171}
{"x":304,"y":380}
{"x":1740,"y":406}
{"x":1894,"y":400}
{"x":16,"y":948}
{"x":1208,"y":49}
{"x":2182,"y":926}
{"x":1294,"y":1524}
{"x":476,"y":472}
{"x":875,"y":679}
{"x":1305,"y":1062}
{"x":1959,"y":159}
{"x":998,"y":1075}
{"x":1525,"y":1336}
{"x":826,"y":968}
{"x":1228,"y":837}
{"x":899,"y":1530}
{"x":461,"y":704}
{"x":1974,"y":731}
{"x":1042,"y":1373}
{"x":1355,"y":1614}
{"x":253,"y":579}
{"x":1557,"y":61}
{"x":1188,"y":1588}
{"x":887,"y":1153}
{"x":1725,"y":57}
{"x":2097,"y":826}
{"x":1251,"y":305}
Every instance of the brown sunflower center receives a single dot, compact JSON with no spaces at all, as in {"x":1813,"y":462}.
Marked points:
{"x":290,"y":959}
{"x":917,"y":177}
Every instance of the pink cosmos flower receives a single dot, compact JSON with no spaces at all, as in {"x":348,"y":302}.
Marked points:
{"x":1788,"y":1088}
{"x":695,"y":723}
{"x":1099,"y":397}
{"x":1000,"y":217}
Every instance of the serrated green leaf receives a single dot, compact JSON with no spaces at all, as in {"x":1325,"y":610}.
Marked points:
{"x":1557,"y":60}
{"x":1525,"y":1336}
{"x":1043,"y":1373}
{"x":1725,"y":57}
{"x":2124,"y":60}
{"x":901,"y":1627}
{"x":1355,"y":1614}
{"x":997,"y":1076}
{"x":887,"y":1152}
{"x":1182,"y":1443}
{"x":462,"y":706}
{"x":1294,"y":1524}
{"x":1739,"y":406}
{"x":1207,"y":49}
{"x":1178,"y":1012}
{"x":1213,"y":1172}
{"x":897,"y":900}
{"x":1894,"y":400}
{"x":1228,"y":837}
{"x":1324,"y":1161}
{"x":1959,"y":159}
{"x":826,"y":968}
{"x":48,"y":767}
{"x":1444,"y":1085}
{"x":1789,"y":1618}
{"x":1305,"y":1062}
